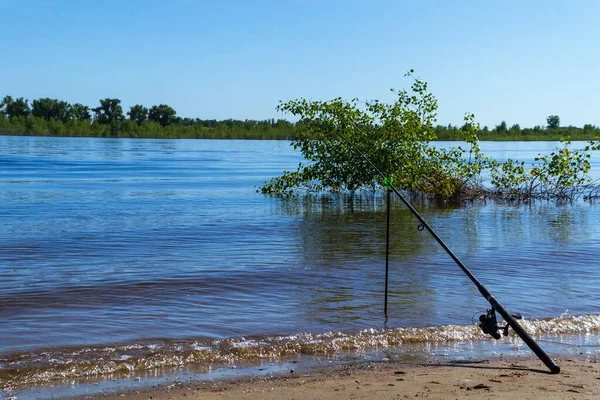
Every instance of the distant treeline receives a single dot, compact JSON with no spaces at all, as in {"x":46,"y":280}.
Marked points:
{"x":52,"y":117}
{"x":551,"y":131}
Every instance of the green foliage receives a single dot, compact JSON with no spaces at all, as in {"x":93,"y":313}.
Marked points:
{"x":51,"y":109}
{"x":515,"y":132}
{"x":15,"y":107}
{"x":393,"y":136}
{"x":501,"y":128}
{"x":109,"y":112}
{"x":77,"y":121}
{"x":80,"y":112}
{"x":331,"y":135}
{"x":553,"y":121}
{"x":562,"y":174}
{"x":162,"y":114}
{"x":138,"y":113}
{"x":131,"y":127}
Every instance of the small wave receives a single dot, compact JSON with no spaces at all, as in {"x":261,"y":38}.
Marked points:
{"x":32,"y":368}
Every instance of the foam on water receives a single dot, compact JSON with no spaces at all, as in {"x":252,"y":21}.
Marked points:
{"x":51,"y":365}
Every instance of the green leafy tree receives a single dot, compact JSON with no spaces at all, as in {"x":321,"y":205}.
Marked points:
{"x":43,"y":108}
{"x":553,"y":121}
{"x":502,"y":128}
{"x":109,"y":112}
{"x":5,"y":100}
{"x":138,"y":113}
{"x":62,"y":111}
{"x":394,"y":136}
{"x":515,"y":130}
{"x":80,"y":112}
{"x":15,"y":107}
{"x":48,"y":108}
{"x":161,"y":114}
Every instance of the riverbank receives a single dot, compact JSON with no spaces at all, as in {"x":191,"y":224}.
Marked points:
{"x":524,"y":378}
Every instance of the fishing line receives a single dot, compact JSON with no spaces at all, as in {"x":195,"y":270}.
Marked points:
{"x":488,"y":321}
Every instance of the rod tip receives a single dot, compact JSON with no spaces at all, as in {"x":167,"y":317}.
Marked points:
{"x":554,"y":369}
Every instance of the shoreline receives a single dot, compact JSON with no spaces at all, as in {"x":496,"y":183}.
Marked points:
{"x":285,"y":137}
{"x":498,"y":378}
{"x":577,"y":354}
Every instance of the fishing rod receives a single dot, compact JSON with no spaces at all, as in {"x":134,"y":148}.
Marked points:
{"x":488,"y":322}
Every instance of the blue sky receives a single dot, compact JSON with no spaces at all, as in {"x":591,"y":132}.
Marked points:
{"x":518,"y":61}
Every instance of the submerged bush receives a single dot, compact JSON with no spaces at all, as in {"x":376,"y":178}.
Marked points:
{"x":396,"y":138}
{"x":562,"y":174}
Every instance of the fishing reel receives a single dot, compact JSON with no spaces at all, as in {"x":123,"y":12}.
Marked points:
{"x":489,"y":324}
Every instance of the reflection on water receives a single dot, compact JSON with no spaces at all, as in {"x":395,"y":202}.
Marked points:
{"x":526,"y":254}
{"x":108,"y":242}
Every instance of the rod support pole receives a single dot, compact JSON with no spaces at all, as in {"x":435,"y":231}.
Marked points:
{"x":387,"y":252}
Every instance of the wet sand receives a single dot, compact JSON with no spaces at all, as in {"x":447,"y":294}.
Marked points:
{"x":510,"y":379}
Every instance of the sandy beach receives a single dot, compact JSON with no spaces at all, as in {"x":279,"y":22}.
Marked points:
{"x":509,"y":379}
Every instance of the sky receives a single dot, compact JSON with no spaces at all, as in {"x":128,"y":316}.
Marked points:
{"x":517,"y":61}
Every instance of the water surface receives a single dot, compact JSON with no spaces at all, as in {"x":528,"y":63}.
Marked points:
{"x":147,"y":247}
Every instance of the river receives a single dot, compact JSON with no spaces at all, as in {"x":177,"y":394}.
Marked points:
{"x":123,"y":256}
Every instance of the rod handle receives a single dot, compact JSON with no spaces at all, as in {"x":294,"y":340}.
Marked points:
{"x":512,"y":322}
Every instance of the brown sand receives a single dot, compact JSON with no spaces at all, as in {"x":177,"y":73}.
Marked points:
{"x":512,"y":379}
